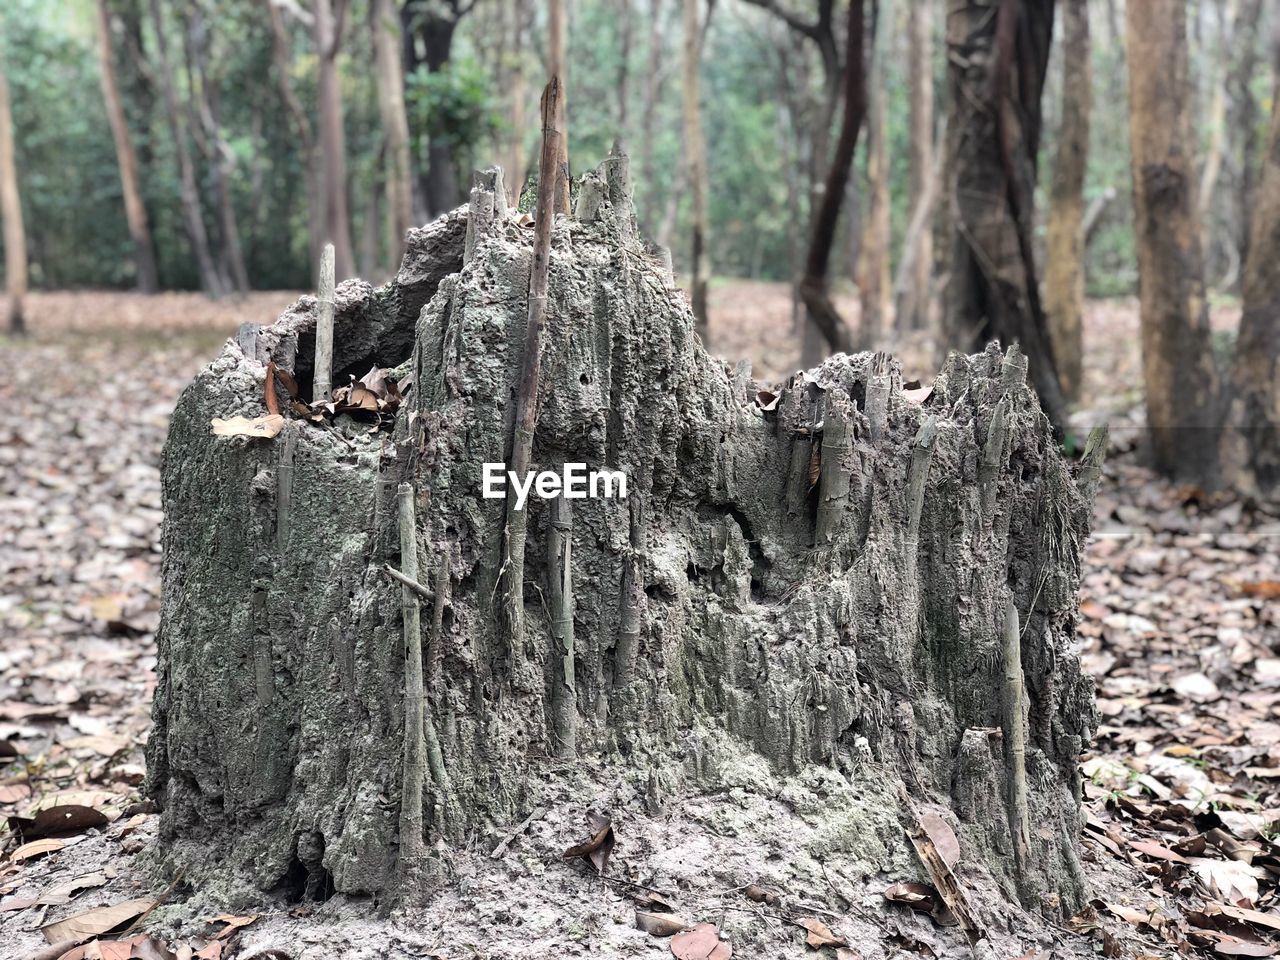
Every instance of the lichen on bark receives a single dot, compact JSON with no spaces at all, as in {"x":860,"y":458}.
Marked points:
{"x":749,"y":607}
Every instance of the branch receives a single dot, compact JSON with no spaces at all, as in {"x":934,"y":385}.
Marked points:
{"x":810,"y":30}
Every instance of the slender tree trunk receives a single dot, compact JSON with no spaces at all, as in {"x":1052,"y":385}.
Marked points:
{"x":395,"y":126}
{"x":15,"y":235}
{"x":435,"y":24}
{"x":557,"y":43}
{"x":911,"y":300}
{"x":1064,"y":245}
{"x":696,"y":157}
{"x":625,"y":25}
{"x":996,"y":68}
{"x":327,"y":31}
{"x":1251,"y":439}
{"x":814,"y":284}
{"x":282,"y":59}
{"x":655,"y":76}
{"x":134,"y":210}
{"x":873,"y":260}
{"x":221,"y":166}
{"x":1245,"y":119}
{"x":515,"y":162}
{"x":1217,"y":114}
{"x":193,"y":214}
{"x":1177,"y":355}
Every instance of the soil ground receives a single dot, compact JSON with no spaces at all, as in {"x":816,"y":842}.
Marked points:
{"x":1180,"y":628}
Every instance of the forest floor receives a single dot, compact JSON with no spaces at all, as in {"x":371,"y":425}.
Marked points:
{"x":1180,"y":627}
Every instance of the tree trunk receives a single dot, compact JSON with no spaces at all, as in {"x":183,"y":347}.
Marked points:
{"x":814,"y":602}
{"x":558,"y":66}
{"x":282,"y":61}
{"x":625,"y":27}
{"x":134,"y":210}
{"x":434,"y":26}
{"x":814,"y":284}
{"x":395,"y":127}
{"x":873,"y":260}
{"x":327,"y":36}
{"x":1065,"y":240}
{"x":911,"y":295}
{"x":1216,"y":114}
{"x":193,"y":214}
{"x":997,"y":58}
{"x":1244,"y":121}
{"x":514,"y":164}
{"x":1251,"y":438}
{"x":696,"y":157}
{"x":1179,"y":374}
{"x":15,"y":234}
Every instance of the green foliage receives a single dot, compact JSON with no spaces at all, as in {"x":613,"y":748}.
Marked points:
{"x":453,"y":105}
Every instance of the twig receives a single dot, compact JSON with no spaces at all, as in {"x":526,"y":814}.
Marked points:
{"x":526,"y":417}
{"x":520,"y":828}
{"x":425,"y":592}
{"x":322,"y":376}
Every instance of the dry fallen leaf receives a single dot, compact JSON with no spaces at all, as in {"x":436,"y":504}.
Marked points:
{"x":262,"y":427}
{"x":701,"y":943}
{"x":917,"y":896}
{"x":63,"y":892}
{"x":943,"y":837}
{"x":760,"y":895}
{"x":820,"y":934}
{"x":58,"y":820}
{"x":82,"y":926}
{"x":660,"y":924}
{"x":233,"y":924}
{"x":595,"y":851}
{"x":36,"y":848}
{"x":1152,"y":849}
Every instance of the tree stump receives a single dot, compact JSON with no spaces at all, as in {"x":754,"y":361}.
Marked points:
{"x":823,"y":581}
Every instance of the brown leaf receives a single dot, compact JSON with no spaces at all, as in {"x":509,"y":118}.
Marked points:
{"x":263,"y":428}
{"x":82,"y":926}
{"x":58,"y":820}
{"x":210,"y":951}
{"x":35,"y":849}
{"x":269,"y":389}
{"x":660,"y":924}
{"x":943,"y":837}
{"x":760,"y":895}
{"x":233,"y":924}
{"x":149,"y":948}
{"x":767,"y":399}
{"x":1261,"y":589}
{"x":290,"y":384}
{"x":1152,"y":849}
{"x":917,"y":896}
{"x":63,"y":892}
{"x":14,"y":793}
{"x":595,"y":851}
{"x":652,"y":900}
{"x":701,"y":943}
{"x":820,"y":934}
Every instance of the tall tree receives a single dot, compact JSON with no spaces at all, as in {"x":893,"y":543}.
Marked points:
{"x":558,"y":66}
{"x":15,"y":235}
{"x":911,"y":289}
{"x":1064,"y":245}
{"x":1251,"y":439}
{"x":135,"y":210}
{"x":996,"y":69}
{"x":395,"y":126}
{"x":281,"y":61}
{"x":193,"y":213}
{"x":327,"y":26}
{"x":821,"y":32}
{"x":428,"y":28}
{"x":1177,"y":355}
{"x":814,"y":284}
{"x":1244,"y":120}
{"x":696,"y":158}
{"x":873,"y":259}
{"x":514,"y":161}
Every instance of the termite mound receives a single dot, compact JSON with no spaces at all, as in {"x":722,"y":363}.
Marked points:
{"x":811,"y":588}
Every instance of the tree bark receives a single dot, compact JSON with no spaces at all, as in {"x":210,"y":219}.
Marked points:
{"x":873,"y":253}
{"x":282,"y":60}
{"x":135,"y":210}
{"x":432,"y":26}
{"x":911,"y":300}
{"x":842,"y":647}
{"x":395,"y":127}
{"x":997,"y":58}
{"x":193,"y":213}
{"x":1244,"y":122}
{"x":1179,"y":374}
{"x":1250,"y":448}
{"x":15,"y":234}
{"x":1065,"y":239}
{"x":514,"y":164}
{"x":696,"y":157}
{"x":327,"y":35}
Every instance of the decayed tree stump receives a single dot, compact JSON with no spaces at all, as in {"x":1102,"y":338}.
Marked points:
{"x":829,"y":581}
